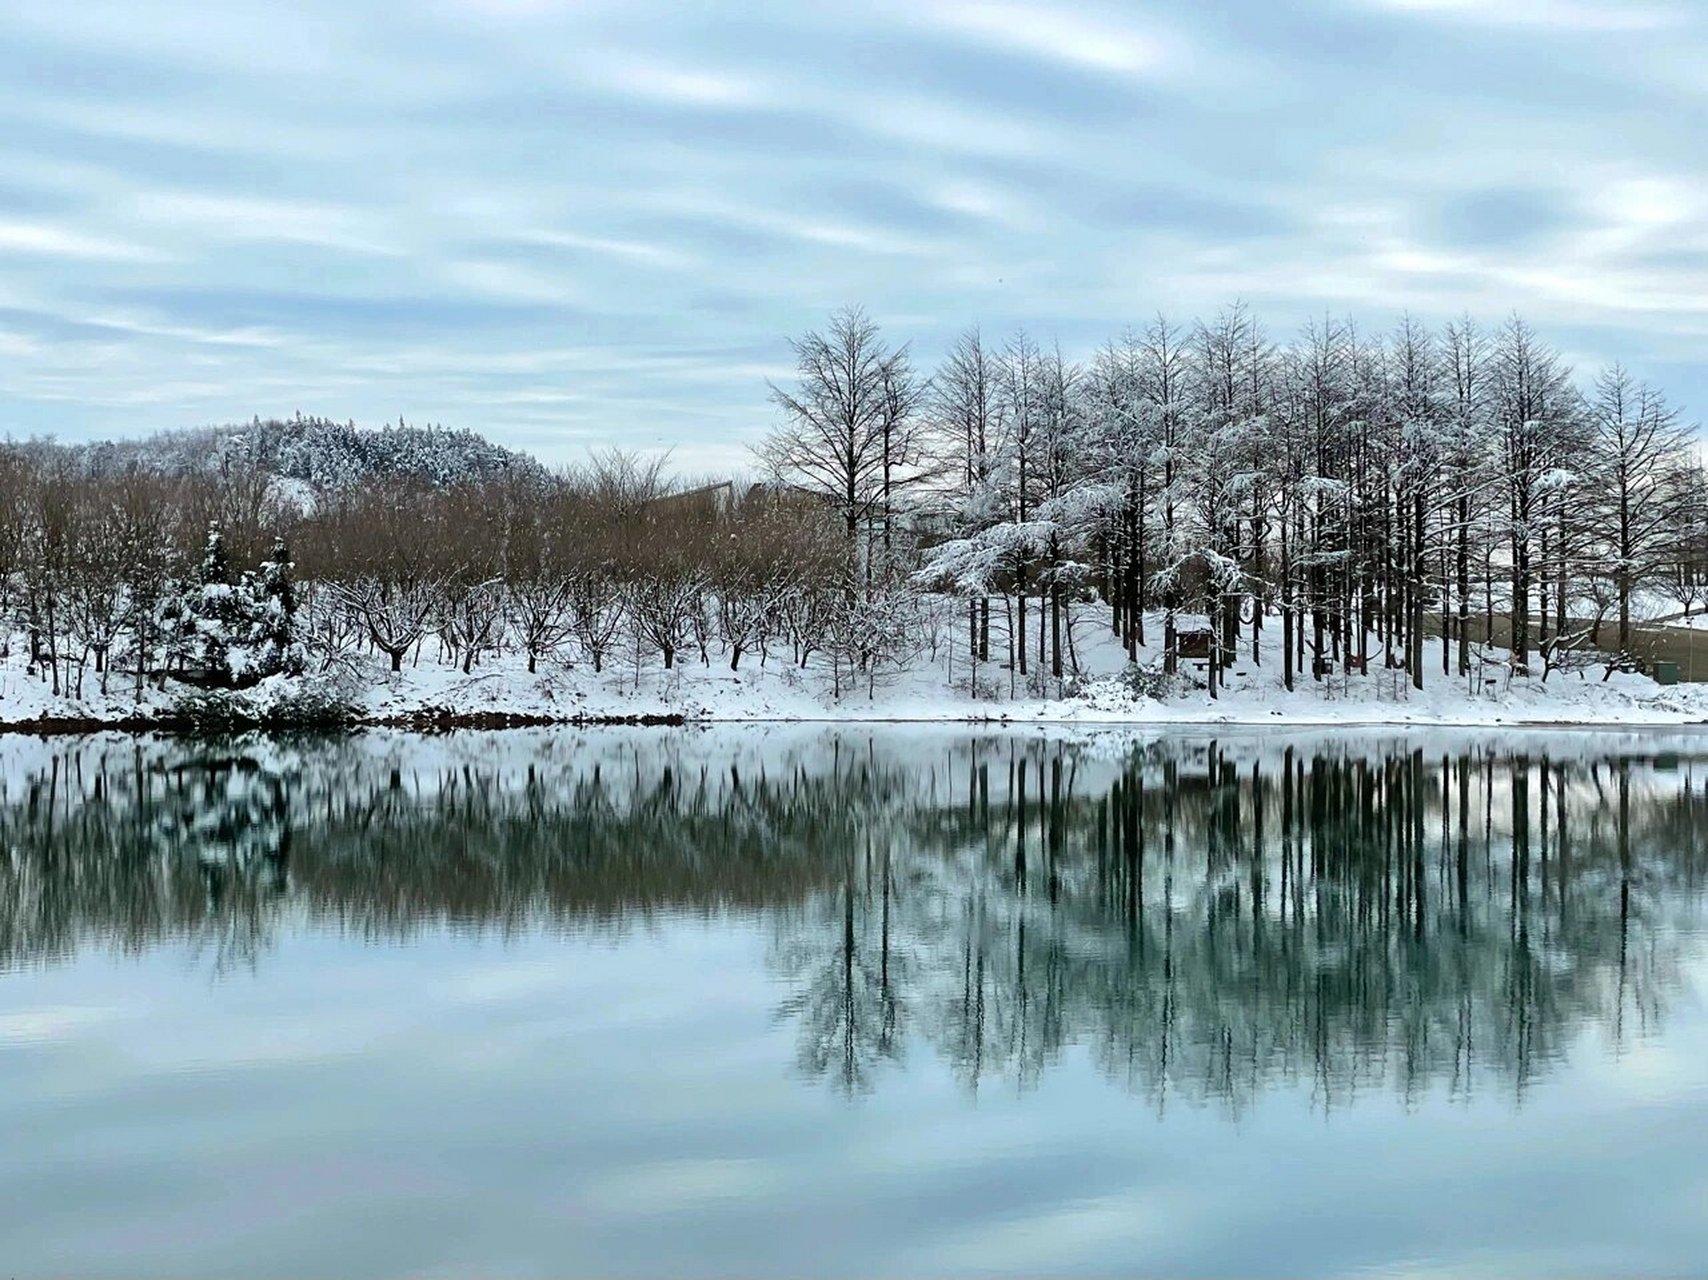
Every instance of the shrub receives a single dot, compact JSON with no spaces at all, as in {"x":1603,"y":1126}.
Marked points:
{"x":275,"y":704}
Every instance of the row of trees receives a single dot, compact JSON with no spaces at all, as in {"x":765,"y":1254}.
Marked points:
{"x":213,"y":578}
{"x":613,"y":560}
{"x":1358,"y":494}
{"x":1362,"y":492}
{"x":131,"y":568}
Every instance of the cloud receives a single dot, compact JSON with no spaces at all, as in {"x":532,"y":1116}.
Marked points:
{"x":65,"y":242}
{"x":591,"y":222}
{"x":249,"y":218}
{"x":1556,"y":15}
{"x":1051,"y":31}
{"x":651,"y":254}
{"x":694,"y":87}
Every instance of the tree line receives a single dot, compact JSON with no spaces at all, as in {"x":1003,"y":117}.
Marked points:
{"x":215,"y":578}
{"x":1329,"y":503}
{"x":1358,"y":492}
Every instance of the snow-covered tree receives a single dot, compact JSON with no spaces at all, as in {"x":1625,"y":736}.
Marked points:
{"x":1638,"y":451}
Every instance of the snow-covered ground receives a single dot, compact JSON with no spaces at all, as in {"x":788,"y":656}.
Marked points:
{"x":932,"y":688}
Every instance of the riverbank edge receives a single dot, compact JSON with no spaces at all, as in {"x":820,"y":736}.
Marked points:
{"x":437,"y":720}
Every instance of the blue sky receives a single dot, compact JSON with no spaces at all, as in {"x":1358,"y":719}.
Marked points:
{"x":575,"y":224}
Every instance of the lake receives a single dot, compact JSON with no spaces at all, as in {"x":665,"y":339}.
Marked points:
{"x":889,"y":1001}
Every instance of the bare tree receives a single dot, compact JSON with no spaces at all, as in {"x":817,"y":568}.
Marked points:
{"x":852,"y":432}
{"x":369,"y":555}
{"x":541,"y":569}
{"x":1640,"y":450}
{"x":1536,"y":414}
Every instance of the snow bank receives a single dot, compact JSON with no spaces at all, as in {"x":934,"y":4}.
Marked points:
{"x":503,"y":691}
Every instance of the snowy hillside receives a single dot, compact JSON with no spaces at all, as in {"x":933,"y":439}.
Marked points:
{"x":317,"y":452}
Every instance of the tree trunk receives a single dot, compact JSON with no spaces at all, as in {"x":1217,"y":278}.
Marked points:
{"x":1020,"y":629}
{"x":1056,"y":632}
{"x":1462,"y":578}
{"x":1286,"y":610}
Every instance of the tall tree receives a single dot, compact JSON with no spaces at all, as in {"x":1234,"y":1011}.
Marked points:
{"x":1640,"y":451}
{"x":852,"y":430}
{"x":1536,"y":418}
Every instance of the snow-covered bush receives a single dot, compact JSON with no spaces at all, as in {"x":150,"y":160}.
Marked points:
{"x":227,"y":634}
{"x":1148,"y":681}
{"x":266,"y":643}
{"x":278,"y":702}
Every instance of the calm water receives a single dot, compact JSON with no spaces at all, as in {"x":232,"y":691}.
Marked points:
{"x":897,"y":1002}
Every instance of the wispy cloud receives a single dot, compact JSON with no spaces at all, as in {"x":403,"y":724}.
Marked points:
{"x":1058,"y":32}
{"x":656,"y":255}
{"x":687,"y":85}
{"x":583,"y":221}
{"x":250,"y":218}
{"x":65,"y":242}
{"x":1557,"y":15}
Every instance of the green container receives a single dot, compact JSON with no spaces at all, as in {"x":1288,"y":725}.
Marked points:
{"x":1666,"y":672}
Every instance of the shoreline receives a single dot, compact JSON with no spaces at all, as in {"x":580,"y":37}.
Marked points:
{"x":433,"y":698}
{"x":443,"y":720}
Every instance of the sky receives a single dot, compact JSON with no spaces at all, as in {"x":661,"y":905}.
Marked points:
{"x":576,"y":224}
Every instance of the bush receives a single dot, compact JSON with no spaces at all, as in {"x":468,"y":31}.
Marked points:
{"x":981,"y":689}
{"x":1150,"y":680}
{"x":1147,"y":683}
{"x":276,"y":704}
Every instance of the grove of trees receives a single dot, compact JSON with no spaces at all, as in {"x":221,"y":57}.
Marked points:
{"x":1358,"y":493}
{"x":1327,"y":504}
{"x":215,"y":579}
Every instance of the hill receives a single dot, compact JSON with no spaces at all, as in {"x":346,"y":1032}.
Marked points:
{"x":325,"y":455}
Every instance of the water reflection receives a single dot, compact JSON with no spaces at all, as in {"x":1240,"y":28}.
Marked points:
{"x":1206,"y":918}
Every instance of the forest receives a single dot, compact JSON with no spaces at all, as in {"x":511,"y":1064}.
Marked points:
{"x":1325,"y":504}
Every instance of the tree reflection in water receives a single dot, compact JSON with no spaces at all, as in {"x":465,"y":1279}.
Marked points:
{"x":1206,"y":918}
